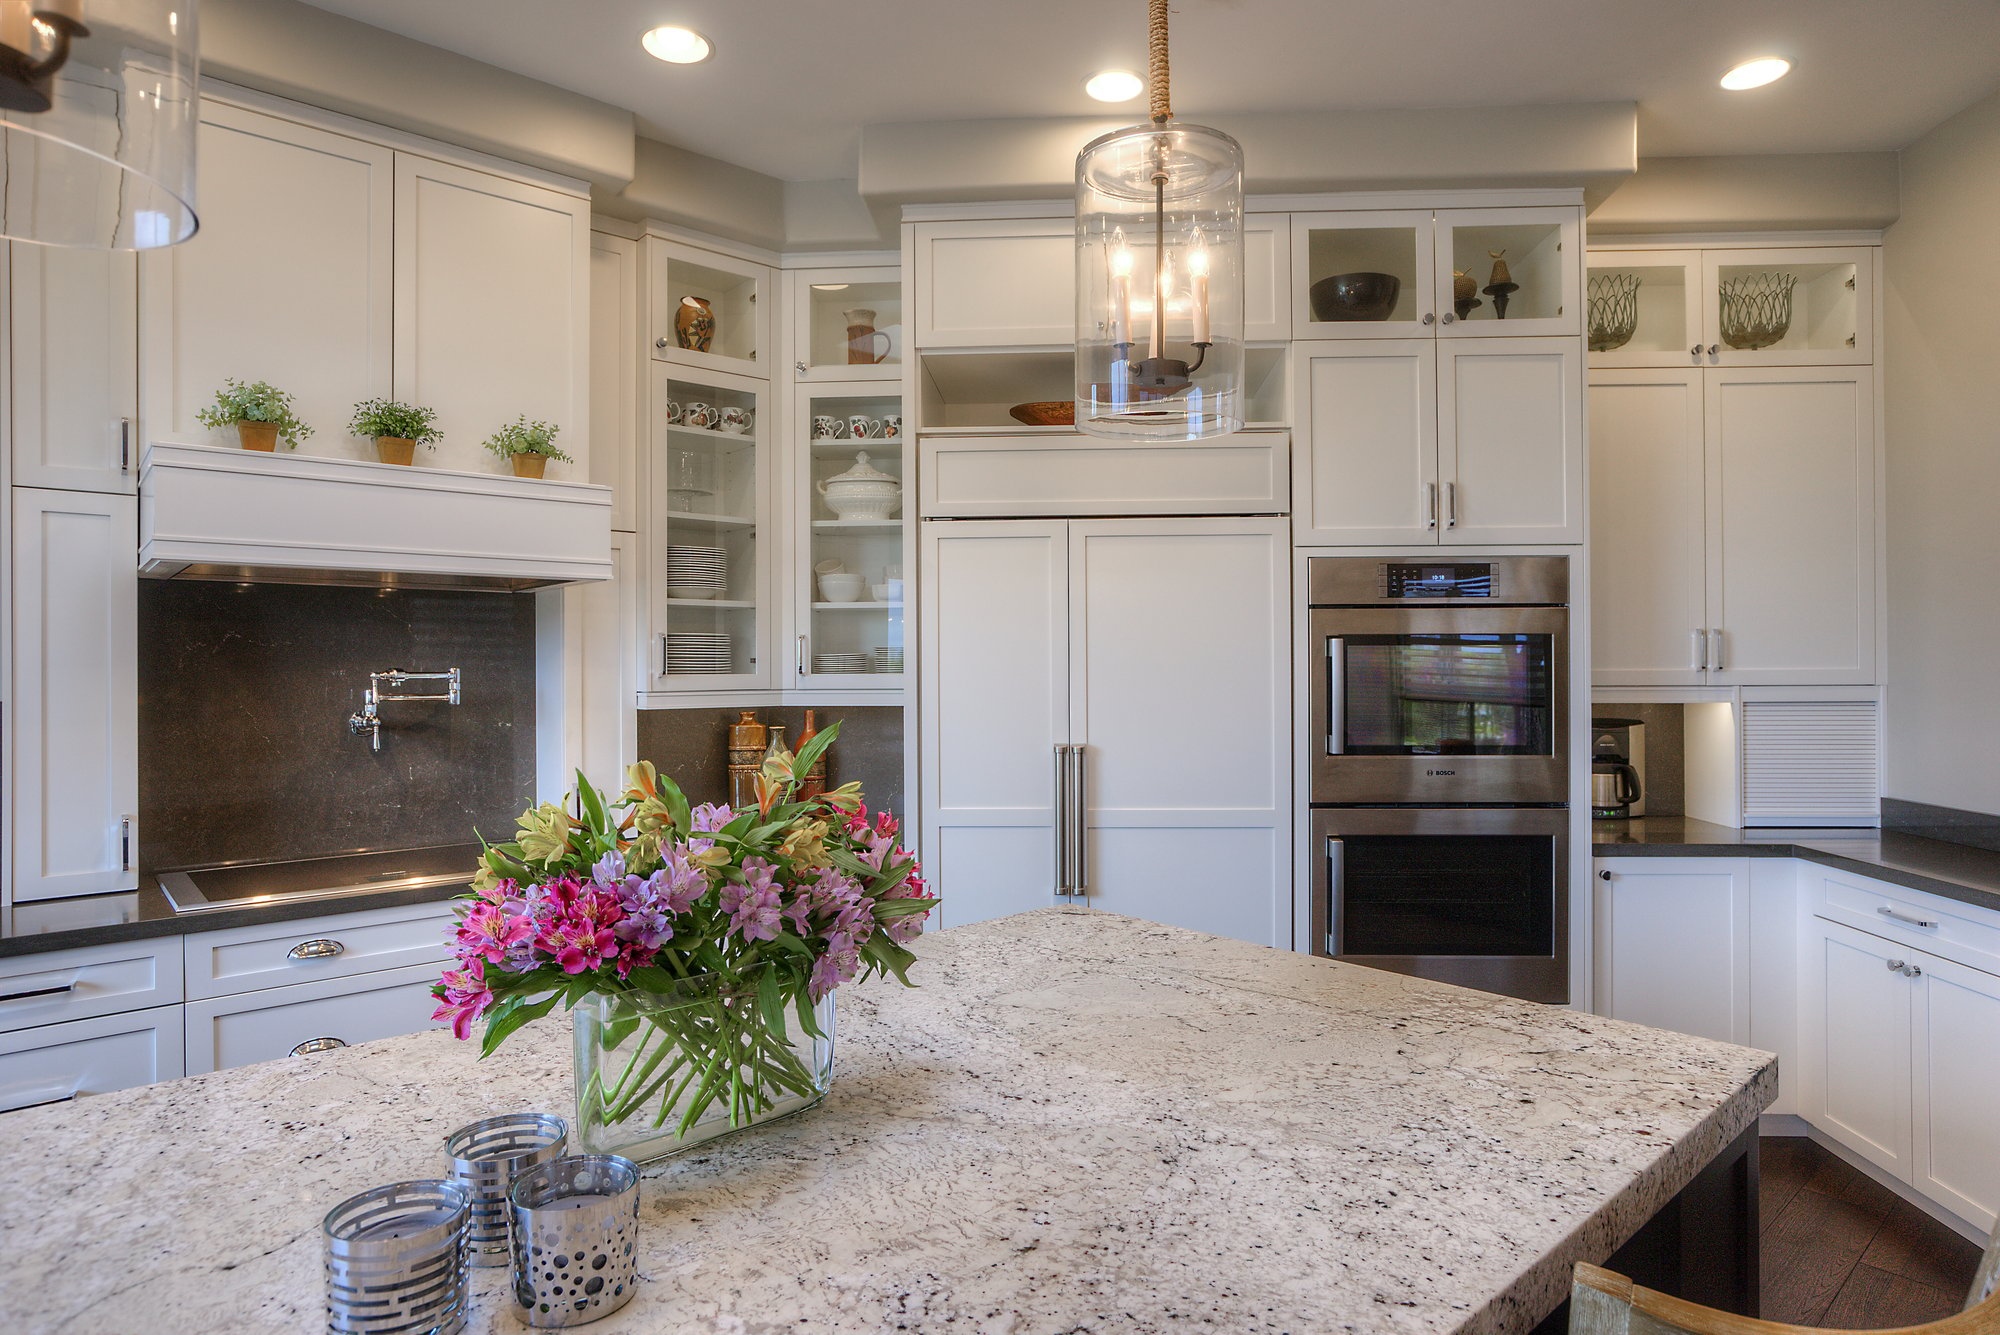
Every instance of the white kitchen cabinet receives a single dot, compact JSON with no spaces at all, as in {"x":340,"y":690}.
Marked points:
{"x":51,"y":987}
{"x":1672,"y":944}
{"x":290,"y":279}
{"x":607,"y":666}
{"x":874,"y":626}
{"x":493,"y":294}
{"x":1832,"y":305}
{"x":1426,"y":442}
{"x":1649,"y":562}
{"x":74,"y":374}
{"x":1665,"y":305}
{"x":736,"y":291}
{"x":1955,"y":1149}
{"x":1155,"y":646}
{"x":821,"y":303}
{"x":1791,"y":477}
{"x":1860,"y":1005}
{"x":304,"y":950}
{"x":304,"y":1018}
{"x":72,"y":736}
{"x":617,"y":364}
{"x":56,"y":1063}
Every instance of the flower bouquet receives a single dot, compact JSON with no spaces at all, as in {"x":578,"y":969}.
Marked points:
{"x":697,"y":948}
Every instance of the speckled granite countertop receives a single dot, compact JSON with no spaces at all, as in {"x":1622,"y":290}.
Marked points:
{"x":1079,"y":1122}
{"x":1956,"y":871}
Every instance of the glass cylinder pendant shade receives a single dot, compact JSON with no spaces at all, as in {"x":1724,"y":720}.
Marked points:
{"x":97,"y":122}
{"x":1159,"y":283}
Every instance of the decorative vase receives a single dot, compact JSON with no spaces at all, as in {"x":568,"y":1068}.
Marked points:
{"x":530,"y":465}
{"x":749,"y":740}
{"x":258,"y":435}
{"x":395,"y":449}
{"x":694,"y":323}
{"x":660,"y":1073}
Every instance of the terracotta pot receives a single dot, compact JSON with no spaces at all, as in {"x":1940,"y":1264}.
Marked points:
{"x":395,"y":449}
{"x":258,"y":435}
{"x":530,"y":465}
{"x":694,"y":324}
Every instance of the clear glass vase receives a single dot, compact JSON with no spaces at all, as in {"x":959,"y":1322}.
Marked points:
{"x":658,"y":1073}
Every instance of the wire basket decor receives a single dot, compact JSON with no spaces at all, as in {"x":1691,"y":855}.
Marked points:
{"x":1756,"y":308}
{"x":1613,"y":310}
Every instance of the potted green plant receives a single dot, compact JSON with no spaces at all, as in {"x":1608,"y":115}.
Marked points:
{"x":396,"y":428}
{"x":530,"y":445}
{"x":261,"y":413}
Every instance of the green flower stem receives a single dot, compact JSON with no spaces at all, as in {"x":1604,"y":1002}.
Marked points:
{"x":722,"y":1048}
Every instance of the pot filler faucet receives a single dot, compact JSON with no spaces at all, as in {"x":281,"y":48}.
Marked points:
{"x":368,"y":721}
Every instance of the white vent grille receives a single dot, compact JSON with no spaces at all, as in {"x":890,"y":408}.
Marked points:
{"x":1811,"y":763}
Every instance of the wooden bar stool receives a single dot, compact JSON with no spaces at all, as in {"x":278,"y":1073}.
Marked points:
{"x":1603,"y":1303}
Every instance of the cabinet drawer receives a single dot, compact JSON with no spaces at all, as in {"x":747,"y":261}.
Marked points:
{"x":1012,"y":477}
{"x":244,"y":959}
{"x":261,"y":1026}
{"x":91,"y":980}
{"x":60,"y":1062}
{"x":1945,"y":927}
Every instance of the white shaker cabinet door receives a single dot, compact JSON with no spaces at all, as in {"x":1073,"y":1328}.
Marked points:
{"x":307,"y":1018}
{"x":617,"y":366}
{"x":1366,"y":471}
{"x":1856,"y":1030}
{"x":985,"y":284}
{"x":994,"y":693}
{"x":1180,"y":698}
{"x":493,"y":295}
{"x":1673,"y":944}
{"x":1648,"y":563}
{"x":74,"y":378}
{"x":1957,"y":1136}
{"x":56,"y":1063}
{"x":73,"y":720}
{"x":1791,"y":478}
{"x":1510,"y":440}
{"x":289,"y":280}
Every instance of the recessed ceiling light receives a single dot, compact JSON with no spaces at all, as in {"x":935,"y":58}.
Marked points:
{"x":1114,"y":85}
{"x":676,"y":46}
{"x":1756,"y":73}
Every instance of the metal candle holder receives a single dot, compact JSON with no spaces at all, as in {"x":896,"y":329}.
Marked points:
{"x":395,"y":1260}
{"x":575,"y":1239}
{"x":485,"y":1157}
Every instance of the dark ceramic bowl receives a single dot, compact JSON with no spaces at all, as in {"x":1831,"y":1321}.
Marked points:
{"x":1355,"y":296}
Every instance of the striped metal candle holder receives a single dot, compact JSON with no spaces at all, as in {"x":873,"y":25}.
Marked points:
{"x":575,"y":1224}
{"x":485,"y":1157}
{"x":395,"y":1260}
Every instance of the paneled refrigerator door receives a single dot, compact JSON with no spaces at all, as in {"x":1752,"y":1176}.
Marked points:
{"x":1179,"y":700}
{"x":994,"y":691}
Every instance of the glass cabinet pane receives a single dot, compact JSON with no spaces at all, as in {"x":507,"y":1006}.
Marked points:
{"x":1365,"y":272}
{"x":1769,"y":304}
{"x":847,"y":325}
{"x":857,"y":455}
{"x":1506,"y":270}
{"x":705,"y":308}
{"x":707,"y":461}
{"x":1635,"y":308}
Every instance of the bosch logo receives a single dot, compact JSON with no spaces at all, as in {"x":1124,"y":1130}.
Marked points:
{"x":1438,"y":773}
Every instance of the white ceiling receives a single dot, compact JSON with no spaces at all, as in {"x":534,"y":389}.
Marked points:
{"x":793,"y":81}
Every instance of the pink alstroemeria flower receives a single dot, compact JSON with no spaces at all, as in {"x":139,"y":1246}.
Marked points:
{"x":465,"y":998}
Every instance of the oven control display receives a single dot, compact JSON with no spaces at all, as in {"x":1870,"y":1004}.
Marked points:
{"x":1438,"y":581}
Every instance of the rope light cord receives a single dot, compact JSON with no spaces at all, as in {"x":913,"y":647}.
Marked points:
{"x":1156,"y":50}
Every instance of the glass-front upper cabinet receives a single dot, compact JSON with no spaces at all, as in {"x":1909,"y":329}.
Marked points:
{"x":853,"y":537}
{"x":1643,"y":308}
{"x":708,"y":552}
{"x":707,"y":309}
{"x":1508,"y":271}
{"x":1812,"y":306}
{"x":847,"y":324}
{"x":1366,"y":274}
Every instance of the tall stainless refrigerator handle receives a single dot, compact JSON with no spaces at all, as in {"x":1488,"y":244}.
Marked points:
{"x":1336,"y":695}
{"x":1701,"y":651}
{"x":1062,"y":821}
{"x":1079,"y":821}
{"x":1336,"y":875}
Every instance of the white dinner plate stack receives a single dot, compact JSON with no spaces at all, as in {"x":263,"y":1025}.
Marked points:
{"x":693,"y":651}
{"x":696,"y":572}
{"x":833,"y":663}
{"x":888,"y":660}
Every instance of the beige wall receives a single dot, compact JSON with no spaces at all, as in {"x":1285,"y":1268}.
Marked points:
{"x":1781,"y":192}
{"x":1942,"y":360}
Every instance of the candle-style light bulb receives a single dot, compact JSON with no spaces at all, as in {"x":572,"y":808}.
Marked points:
{"x":1121,"y":290}
{"x":1198,"y":294}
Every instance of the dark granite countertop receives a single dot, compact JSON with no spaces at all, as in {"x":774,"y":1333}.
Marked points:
{"x":1955,"y":871}
{"x":99,"y":919}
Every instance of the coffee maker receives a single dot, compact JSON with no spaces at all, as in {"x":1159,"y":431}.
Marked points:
{"x":1617,"y":764}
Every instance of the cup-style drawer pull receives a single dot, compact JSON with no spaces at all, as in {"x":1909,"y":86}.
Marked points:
{"x":319,"y":948}
{"x":1904,"y":918}
{"x":313,"y":1045}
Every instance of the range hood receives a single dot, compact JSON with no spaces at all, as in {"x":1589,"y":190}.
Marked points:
{"x":211,"y":512}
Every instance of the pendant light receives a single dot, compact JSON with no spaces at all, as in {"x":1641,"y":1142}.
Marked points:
{"x":97,"y":122}
{"x":1159,"y":274}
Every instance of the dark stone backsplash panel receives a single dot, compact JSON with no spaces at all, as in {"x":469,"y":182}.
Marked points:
{"x":1954,"y":825}
{"x":244,"y":695}
{"x":691,"y":746}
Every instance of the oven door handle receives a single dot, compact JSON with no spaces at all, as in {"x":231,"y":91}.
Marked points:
{"x":1336,"y":695}
{"x":1336,"y":886}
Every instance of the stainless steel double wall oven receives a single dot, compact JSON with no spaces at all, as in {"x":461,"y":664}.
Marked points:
{"x":1440,"y":776}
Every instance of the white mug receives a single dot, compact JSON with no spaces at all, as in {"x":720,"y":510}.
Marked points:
{"x":828,"y":428}
{"x":892,"y":426}
{"x":863,"y":426}
{"x":734,"y":420}
{"x":673,"y":411}
{"x":699,"y":414}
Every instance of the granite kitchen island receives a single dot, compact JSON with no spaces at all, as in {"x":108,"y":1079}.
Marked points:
{"x":1078,"y":1122}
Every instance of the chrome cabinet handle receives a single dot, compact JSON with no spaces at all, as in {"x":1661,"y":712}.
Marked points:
{"x":1062,"y":821}
{"x":1432,"y":489}
{"x":313,"y":1045}
{"x":1447,"y":318}
{"x":1904,"y":918}
{"x":319,"y":948}
{"x":1914,"y":971}
{"x":125,"y":447}
{"x":30,"y":993}
{"x":125,"y":843}
{"x":1604,"y":876}
{"x":1695,"y":352}
{"x":1451,"y":505}
{"x":1079,"y":817}
{"x":1701,"y":651}
{"x":800,"y":367}
{"x":1336,"y":695}
{"x":1336,"y":892}
{"x":661,"y":343}
{"x":1715,"y":640}
{"x":1714,"y":348}
{"x":1429,"y":318}
{"x":804,"y":660}
{"x":1895,"y":966}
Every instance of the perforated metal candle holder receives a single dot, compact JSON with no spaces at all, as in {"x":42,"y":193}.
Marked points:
{"x":395,"y":1260}
{"x":485,"y":1157}
{"x":575,"y":1239}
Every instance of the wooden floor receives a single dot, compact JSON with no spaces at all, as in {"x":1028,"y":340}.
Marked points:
{"x":1841,"y":1250}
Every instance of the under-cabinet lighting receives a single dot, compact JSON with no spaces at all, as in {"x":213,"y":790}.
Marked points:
{"x":1114,"y":85}
{"x":1756,"y":73}
{"x":676,"y":46}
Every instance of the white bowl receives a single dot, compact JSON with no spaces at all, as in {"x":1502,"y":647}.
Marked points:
{"x":842,"y":588}
{"x":879,"y":592}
